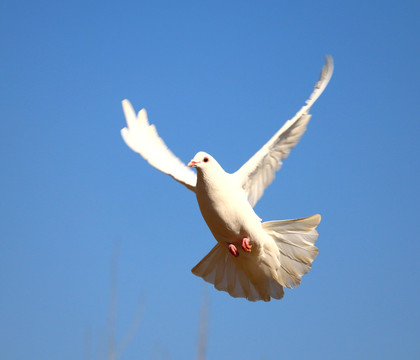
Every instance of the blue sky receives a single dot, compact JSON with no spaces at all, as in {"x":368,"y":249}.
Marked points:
{"x":220,"y":77}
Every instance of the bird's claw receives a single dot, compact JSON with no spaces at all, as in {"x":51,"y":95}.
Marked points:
{"x":246,"y":244}
{"x":233,"y":250}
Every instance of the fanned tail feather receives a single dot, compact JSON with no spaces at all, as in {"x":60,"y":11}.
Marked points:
{"x":279,"y":264}
{"x":223,"y":270}
{"x":295,"y":240}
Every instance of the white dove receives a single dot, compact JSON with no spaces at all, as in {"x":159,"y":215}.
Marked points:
{"x":251,"y":259}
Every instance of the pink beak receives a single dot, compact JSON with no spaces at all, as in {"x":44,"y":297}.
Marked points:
{"x":192,"y":163}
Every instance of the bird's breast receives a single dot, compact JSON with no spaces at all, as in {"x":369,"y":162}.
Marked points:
{"x":226,"y":211}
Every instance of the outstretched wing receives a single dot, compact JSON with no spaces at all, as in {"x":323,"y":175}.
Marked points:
{"x":143,"y":139}
{"x":258,"y":172}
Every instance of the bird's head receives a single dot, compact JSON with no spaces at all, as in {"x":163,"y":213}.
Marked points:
{"x":203,"y":161}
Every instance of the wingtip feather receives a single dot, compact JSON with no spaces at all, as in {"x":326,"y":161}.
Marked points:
{"x":327,"y":69}
{"x":142,"y":117}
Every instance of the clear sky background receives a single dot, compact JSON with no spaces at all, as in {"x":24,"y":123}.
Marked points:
{"x":219,"y":76}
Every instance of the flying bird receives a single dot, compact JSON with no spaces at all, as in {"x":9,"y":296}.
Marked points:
{"x":252,"y":259}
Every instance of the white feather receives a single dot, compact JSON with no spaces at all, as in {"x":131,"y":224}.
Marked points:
{"x":143,"y":139}
{"x":259,"y":171}
{"x":295,"y":240}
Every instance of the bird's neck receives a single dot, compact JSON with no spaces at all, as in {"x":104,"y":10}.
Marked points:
{"x":211,"y":179}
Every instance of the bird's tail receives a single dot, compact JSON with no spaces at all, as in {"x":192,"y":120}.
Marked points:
{"x":262,"y":277}
{"x":232,"y":275}
{"x":295,"y":240}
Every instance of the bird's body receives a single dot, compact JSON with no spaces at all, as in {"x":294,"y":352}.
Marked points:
{"x":252,"y":259}
{"x":224,"y":204}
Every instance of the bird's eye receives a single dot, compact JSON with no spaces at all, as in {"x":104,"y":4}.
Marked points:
{"x":206,"y":159}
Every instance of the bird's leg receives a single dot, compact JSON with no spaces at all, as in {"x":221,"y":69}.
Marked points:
{"x":246,"y":244}
{"x":233,"y":250}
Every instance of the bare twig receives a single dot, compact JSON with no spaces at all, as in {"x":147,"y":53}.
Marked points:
{"x":129,"y":335}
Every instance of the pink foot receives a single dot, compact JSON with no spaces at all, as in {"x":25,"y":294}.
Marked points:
{"x":246,"y":244}
{"x":233,"y":250}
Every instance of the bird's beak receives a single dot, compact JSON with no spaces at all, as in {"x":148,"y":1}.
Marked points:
{"x":192,"y":163}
